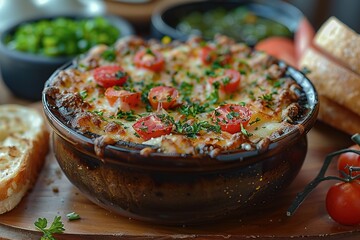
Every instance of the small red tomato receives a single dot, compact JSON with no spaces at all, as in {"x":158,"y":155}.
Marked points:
{"x":209,"y":55}
{"x":230,"y":117}
{"x":229,"y":81}
{"x":152,"y":60}
{"x":131,"y":98}
{"x":166,"y":96}
{"x":108,"y":76}
{"x":152,"y":127}
{"x":279,"y":47}
{"x":342,"y":202}
{"x":303,"y":37}
{"x":349,"y":159}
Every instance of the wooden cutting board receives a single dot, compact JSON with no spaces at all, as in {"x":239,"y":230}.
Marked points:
{"x":54,"y":195}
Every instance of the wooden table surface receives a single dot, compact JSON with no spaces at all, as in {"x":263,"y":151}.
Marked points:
{"x":310,"y":221}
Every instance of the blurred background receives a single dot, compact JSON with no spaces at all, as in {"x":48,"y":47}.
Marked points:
{"x":138,"y":12}
{"x":318,"y":11}
{"x":136,"y":16}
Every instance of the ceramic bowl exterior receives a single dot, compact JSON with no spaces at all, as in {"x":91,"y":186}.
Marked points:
{"x":171,"y":189}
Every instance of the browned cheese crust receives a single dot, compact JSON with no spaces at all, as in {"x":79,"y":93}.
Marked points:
{"x":264,"y":89}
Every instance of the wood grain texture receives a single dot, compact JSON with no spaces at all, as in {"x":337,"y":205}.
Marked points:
{"x":55,"y":195}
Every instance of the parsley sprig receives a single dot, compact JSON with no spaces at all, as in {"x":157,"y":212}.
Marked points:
{"x":56,"y":227}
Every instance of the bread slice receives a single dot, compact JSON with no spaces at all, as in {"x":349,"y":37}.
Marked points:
{"x":332,"y":80}
{"x":338,"y":117}
{"x":24,"y":143}
{"x":341,"y":42}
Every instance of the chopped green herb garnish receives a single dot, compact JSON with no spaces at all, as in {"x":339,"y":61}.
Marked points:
{"x":269,"y":77}
{"x":191,"y":130}
{"x":193,"y":76}
{"x":210,"y":73}
{"x":305,"y":70}
{"x":83,"y":94}
{"x":109,"y":54}
{"x":128,"y":116}
{"x":242,"y":103}
{"x":232,"y":115}
{"x":145,"y":93}
{"x":120,"y":74}
{"x":192,"y":109}
{"x":214,"y":96}
{"x":98,"y":112}
{"x":174,"y":82}
{"x":73,"y":216}
{"x":225,"y":80}
{"x":267,"y":97}
{"x":148,"y":51}
{"x":166,"y":119}
{"x":255,"y":121}
{"x":217,"y":64}
{"x":245,"y":132}
{"x":251,"y":95}
{"x":186,"y":89}
{"x":277,"y":84}
{"x":242,"y":72}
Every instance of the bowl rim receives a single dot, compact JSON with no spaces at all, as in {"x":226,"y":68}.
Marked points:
{"x":121,"y":24}
{"x":123,"y":152}
{"x":158,"y":22}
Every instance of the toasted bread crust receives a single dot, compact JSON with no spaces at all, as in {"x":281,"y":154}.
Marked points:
{"x":333,"y":80}
{"x":338,"y":117}
{"x":28,"y":146}
{"x":340,"y":41}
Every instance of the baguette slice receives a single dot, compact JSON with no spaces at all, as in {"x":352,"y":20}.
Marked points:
{"x":332,"y":80}
{"x":24,"y":143}
{"x":338,"y":117}
{"x":341,"y":42}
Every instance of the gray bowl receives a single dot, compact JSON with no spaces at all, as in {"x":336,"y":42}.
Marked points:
{"x":25,"y":74}
{"x":165,"y":19}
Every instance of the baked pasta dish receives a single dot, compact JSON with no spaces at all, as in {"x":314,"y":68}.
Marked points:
{"x":189,"y":98}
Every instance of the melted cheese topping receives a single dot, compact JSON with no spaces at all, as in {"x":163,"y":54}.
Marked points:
{"x":264,"y":89}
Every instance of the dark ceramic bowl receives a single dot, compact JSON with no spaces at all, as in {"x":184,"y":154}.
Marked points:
{"x":25,"y":74}
{"x":174,"y":189}
{"x":165,"y":19}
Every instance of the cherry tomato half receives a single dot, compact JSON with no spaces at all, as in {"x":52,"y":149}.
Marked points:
{"x":349,"y":159}
{"x":166,"y":96}
{"x":152,"y":60}
{"x":342,"y":202}
{"x":209,"y":55}
{"x":108,"y":76}
{"x":230,"y":117}
{"x":151,"y":127}
{"x":279,"y":47}
{"x":229,"y":81}
{"x":131,"y":98}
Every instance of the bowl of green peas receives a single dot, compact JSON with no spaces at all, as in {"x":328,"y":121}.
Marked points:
{"x":30,"y":51}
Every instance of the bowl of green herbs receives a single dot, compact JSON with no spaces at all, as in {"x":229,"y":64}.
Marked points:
{"x":30,"y":51}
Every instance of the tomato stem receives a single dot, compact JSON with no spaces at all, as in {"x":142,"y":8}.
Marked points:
{"x":300,"y":197}
{"x":356,"y":138}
